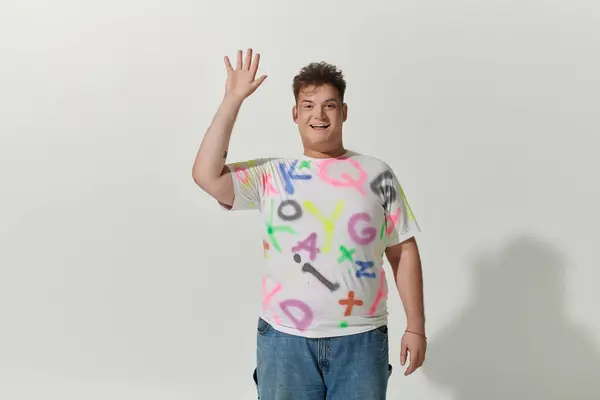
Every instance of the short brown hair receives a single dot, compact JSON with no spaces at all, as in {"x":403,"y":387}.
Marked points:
{"x":319,"y":73}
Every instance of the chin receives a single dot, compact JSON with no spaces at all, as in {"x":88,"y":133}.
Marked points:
{"x":320,"y":137}
{"x":318,"y":143}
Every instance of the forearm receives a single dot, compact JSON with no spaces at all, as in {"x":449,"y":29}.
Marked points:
{"x":409,"y":281}
{"x":210,"y":158}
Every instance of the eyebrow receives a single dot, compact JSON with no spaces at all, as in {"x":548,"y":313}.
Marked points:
{"x":326,"y":101}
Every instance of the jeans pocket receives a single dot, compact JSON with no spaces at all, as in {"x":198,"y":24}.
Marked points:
{"x":381,"y":331}
{"x":263,"y":326}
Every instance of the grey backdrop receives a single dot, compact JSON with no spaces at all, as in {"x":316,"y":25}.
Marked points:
{"x":120,"y":279}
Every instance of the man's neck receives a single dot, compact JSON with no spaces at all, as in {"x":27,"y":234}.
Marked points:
{"x":325,"y":154}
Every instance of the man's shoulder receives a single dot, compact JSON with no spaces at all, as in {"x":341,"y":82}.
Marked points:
{"x":371,"y":160}
{"x":259,"y":161}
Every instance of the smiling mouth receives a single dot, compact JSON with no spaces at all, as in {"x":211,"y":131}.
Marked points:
{"x":320,"y":127}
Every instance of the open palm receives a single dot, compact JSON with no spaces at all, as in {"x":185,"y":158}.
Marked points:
{"x":242,"y":81}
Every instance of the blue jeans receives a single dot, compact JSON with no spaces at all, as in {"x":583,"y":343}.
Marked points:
{"x":353,"y":367}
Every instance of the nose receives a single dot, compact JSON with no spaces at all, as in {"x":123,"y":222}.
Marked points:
{"x":319,"y":112}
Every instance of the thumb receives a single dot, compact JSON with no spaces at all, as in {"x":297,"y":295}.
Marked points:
{"x":259,"y":81}
{"x":403,"y":351}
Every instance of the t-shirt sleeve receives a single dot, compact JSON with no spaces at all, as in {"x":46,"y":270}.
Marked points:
{"x":247,"y":177}
{"x":401,"y":223}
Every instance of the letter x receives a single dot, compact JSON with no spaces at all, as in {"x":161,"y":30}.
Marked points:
{"x":346,"y":254}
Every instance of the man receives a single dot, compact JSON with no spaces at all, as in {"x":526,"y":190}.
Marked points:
{"x":330,"y":215}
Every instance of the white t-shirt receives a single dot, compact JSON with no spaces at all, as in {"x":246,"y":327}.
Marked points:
{"x":327,"y":223}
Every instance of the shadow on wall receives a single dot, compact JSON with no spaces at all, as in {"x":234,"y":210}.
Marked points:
{"x":514,"y":339}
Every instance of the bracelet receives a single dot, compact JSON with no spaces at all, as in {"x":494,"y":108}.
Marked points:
{"x":415,"y":333}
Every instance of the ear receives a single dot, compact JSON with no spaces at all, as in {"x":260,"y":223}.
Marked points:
{"x":295,"y":113}
{"x":344,"y":112}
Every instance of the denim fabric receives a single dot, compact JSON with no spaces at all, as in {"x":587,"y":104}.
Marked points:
{"x":353,"y":367}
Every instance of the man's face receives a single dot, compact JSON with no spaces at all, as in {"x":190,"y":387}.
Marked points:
{"x":319,"y":114}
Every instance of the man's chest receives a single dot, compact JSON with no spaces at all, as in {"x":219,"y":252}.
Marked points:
{"x":322,"y":216}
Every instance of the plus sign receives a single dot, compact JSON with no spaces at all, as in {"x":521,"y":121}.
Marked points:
{"x":349,"y":303}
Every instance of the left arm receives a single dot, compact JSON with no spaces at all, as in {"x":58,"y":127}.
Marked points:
{"x":405,"y":260}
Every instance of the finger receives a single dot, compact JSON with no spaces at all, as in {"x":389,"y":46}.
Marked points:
{"x":239,"y":60}
{"x":418,"y":360}
{"x":254,"y":67}
{"x":413,"y":364}
{"x":421,"y":359}
{"x":228,"y":65}
{"x":248,"y":59}
{"x":403,"y":354}
{"x":259,"y":81}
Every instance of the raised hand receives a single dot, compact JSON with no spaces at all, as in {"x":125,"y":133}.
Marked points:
{"x":242,"y":81}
